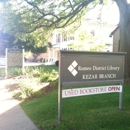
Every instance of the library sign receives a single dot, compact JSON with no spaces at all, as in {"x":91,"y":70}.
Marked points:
{"x":79,"y":68}
{"x":15,"y":57}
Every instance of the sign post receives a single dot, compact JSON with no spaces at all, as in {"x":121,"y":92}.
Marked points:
{"x":79,"y":68}
{"x":6,"y":68}
{"x":59,"y":93}
{"x":121,"y":98}
{"x":59,"y":102}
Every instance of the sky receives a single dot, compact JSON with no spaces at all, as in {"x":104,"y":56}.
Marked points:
{"x":109,"y":13}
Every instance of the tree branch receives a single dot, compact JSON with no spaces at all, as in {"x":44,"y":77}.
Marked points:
{"x":71,"y":5}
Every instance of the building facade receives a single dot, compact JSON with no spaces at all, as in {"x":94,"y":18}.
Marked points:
{"x":116,"y":39}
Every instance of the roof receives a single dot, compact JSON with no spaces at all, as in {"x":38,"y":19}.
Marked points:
{"x":112,"y":33}
{"x":56,"y":45}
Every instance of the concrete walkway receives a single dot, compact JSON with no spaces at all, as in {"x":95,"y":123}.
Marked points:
{"x":12,"y":116}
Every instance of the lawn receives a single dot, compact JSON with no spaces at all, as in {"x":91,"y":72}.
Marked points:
{"x":95,"y":112}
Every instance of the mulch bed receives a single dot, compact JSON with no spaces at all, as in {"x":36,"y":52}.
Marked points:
{"x":11,"y":83}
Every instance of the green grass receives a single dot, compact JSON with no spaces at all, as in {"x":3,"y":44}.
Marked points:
{"x":50,"y":68}
{"x":95,"y":112}
{"x":46,"y":68}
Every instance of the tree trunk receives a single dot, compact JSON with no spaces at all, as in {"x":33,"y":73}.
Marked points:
{"x":124,"y":26}
{"x":35,"y":57}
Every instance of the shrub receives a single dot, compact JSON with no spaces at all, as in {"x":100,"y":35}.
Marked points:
{"x":57,"y":63}
{"x":14,"y":71}
{"x":41,"y":60}
{"x":35,"y":71}
{"x":25,"y":91}
{"x":2,"y":72}
{"x":44,"y":77}
{"x":49,"y":76}
{"x":25,"y":59}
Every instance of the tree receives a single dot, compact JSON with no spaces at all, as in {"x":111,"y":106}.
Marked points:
{"x":37,"y":50}
{"x":40,"y":17}
{"x":124,"y":25}
{"x":8,"y":41}
{"x":86,"y":41}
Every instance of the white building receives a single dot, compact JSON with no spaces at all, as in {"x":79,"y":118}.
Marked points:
{"x":61,"y":39}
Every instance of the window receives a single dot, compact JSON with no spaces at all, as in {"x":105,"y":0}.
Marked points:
{"x":64,"y":37}
{"x":70,"y":38}
{"x":58,"y":38}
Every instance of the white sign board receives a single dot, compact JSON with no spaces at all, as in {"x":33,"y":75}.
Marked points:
{"x":91,"y":91}
{"x":2,"y":61}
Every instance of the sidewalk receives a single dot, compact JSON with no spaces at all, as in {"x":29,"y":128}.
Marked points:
{"x":12,"y":116}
